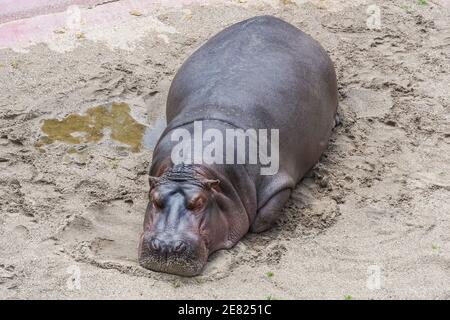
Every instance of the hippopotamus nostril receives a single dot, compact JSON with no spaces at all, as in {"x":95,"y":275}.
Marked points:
{"x":159,"y":246}
{"x":179,"y":246}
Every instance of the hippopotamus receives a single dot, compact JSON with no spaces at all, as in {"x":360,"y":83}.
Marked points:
{"x":262,"y":74}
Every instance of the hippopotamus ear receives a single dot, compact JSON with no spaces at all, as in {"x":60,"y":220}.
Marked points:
{"x":153,"y":181}
{"x":212,"y":183}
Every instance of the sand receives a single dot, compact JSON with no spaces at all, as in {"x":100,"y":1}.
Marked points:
{"x":370,"y":221}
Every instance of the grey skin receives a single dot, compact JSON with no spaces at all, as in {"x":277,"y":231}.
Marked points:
{"x":261,"y":73}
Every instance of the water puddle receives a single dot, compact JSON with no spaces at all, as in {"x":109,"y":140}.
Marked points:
{"x":98,"y":123}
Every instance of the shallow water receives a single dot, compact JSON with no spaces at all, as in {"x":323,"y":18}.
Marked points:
{"x":113,"y":121}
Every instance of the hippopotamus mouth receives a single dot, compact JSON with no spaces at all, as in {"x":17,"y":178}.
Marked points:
{"x":180,"y":257}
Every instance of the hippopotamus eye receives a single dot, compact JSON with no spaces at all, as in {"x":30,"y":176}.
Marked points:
{"x":197,"y":203}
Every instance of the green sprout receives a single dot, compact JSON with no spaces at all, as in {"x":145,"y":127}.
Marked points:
{"x":422,"y":2}
{"x":269,"y":274}
{"x":348,"y":297}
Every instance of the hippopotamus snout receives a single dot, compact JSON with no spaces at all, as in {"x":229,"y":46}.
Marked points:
{"x":165,"y":252}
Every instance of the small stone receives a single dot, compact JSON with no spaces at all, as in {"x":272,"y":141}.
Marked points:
{"x":135,"y":13}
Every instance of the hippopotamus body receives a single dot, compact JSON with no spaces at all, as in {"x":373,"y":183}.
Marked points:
{"x":261,"y":73}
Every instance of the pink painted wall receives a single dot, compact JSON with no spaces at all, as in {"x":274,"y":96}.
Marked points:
{"x":24,"y":22}
{"x":20,"y":9}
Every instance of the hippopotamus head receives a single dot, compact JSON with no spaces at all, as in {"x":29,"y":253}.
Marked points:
{"x":187,"y":218}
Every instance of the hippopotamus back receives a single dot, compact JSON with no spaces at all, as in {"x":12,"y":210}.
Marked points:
{"x":262,"y":73}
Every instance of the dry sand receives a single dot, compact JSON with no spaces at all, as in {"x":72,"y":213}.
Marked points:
{"x":377,"y":203}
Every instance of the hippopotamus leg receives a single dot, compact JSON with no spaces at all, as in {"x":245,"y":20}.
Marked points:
{"x":270,"y":211}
